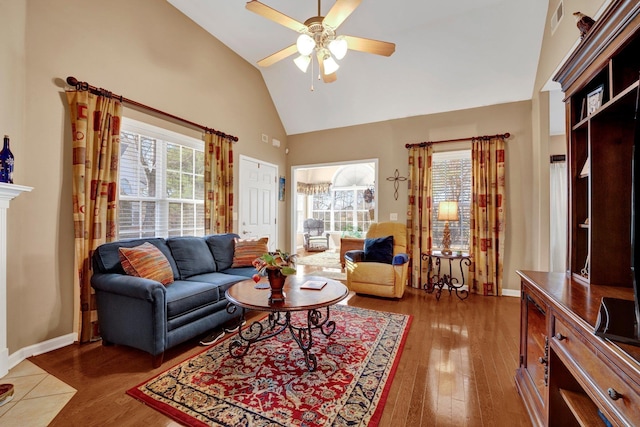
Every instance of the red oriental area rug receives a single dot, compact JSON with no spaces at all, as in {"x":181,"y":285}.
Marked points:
{"x":271,"y":386}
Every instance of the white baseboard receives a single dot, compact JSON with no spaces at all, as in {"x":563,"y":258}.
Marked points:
{"x":511,"y":293}
{"x":43,"y":347}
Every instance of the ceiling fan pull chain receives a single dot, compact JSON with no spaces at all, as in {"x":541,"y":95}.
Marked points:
{"x":311,"y":74}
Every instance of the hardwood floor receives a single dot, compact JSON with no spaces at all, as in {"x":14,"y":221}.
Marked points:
{"x":457,"y":368}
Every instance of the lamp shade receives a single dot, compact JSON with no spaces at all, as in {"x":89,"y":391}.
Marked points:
{"x":302,"y":62}
{"x":305,"y":44}
{"x":448,"y":211}
{"x":330,"y":65}
{"x":338,"y":47}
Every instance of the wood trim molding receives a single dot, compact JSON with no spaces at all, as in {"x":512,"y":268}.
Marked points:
{"x":618,"y":23}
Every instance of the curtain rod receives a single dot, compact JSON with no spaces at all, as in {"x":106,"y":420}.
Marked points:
{"x":72,"y":81}
{"x":424,"y":144}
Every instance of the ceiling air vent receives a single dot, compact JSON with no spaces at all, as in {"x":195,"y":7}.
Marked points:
{"x":557,"y":17}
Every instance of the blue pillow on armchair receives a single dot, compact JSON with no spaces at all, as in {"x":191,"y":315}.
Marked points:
{"x":379,"y":249}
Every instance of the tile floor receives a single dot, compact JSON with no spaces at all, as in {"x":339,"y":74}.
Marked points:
{"x":37,"y":398}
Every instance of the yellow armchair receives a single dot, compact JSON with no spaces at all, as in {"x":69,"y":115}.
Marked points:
{"x":380,"y":278}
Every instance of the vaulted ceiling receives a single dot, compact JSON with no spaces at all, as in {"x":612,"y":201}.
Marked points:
{"x":450,"y":55}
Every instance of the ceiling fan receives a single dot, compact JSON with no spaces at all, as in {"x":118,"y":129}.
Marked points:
{"x":318,"y":34}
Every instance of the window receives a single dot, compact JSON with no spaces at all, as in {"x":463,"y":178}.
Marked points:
{"x":451,"y":181}
{"x":347,"y":207}
{"x":161,"y":183}
{"x":349,"y":210}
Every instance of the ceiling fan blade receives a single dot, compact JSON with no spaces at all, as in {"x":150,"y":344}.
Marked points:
{"x":329,"y":78}
{"x":339,"y":12}
{"x":370,"y":46}
{"x":275,"y":16}
{"x":278,"y":56}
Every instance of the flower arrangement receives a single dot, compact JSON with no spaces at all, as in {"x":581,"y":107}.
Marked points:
{"x":277,"y":260}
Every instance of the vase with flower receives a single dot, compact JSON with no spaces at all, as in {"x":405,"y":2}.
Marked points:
{"x":276,"y":266}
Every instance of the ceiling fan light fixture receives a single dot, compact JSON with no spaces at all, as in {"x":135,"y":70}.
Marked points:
{"x":305,"y":44}
{"x":330,"y":65}
{"x":338,"y":47}
{"x":302,"y":62}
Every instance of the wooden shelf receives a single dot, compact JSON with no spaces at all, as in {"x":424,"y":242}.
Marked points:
{"x":599,"y":161}
{"x":585,"y":411}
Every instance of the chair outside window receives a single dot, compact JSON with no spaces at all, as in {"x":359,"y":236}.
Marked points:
{"x":315,"y":239}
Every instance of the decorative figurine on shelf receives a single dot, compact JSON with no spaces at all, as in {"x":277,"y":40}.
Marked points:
{"x":6,"y":162}
{"x":584,"y":23}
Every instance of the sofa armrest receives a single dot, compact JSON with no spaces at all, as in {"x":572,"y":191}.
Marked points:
{"x":400,"y":259}
{"x":131,"y":311}
{"x":129,"y":286}
{"x":354,"y":255}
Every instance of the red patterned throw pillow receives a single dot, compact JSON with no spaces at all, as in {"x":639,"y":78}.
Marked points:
{"x":146,"y":261}
{"x":246,"y":251}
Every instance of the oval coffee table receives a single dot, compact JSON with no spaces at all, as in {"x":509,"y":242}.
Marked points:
{"x":249,"y":295}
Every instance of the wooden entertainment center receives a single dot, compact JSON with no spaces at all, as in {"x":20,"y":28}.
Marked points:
{"x":568,"y":375}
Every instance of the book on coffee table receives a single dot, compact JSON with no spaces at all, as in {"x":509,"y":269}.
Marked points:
{"x":313,"y":284}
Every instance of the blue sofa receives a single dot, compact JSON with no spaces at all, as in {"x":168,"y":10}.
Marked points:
{"x":152,"y":317}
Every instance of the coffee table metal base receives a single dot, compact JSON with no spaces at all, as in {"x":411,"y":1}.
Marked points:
{"x":277,"y":323}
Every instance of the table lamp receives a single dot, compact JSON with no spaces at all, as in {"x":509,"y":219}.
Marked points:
{"x":447,"y":211}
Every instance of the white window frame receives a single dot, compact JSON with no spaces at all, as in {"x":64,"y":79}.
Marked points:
{"x":162,"y":201}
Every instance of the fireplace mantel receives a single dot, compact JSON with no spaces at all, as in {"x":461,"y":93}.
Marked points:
{"x":8,"y":192}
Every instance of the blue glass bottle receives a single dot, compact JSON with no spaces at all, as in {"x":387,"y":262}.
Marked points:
{"x":6,"y":162}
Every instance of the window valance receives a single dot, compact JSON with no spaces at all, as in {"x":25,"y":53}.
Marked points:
{"x":313,"y":188}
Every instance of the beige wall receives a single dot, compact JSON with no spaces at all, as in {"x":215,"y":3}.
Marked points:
{"x":149,"y":52}
{"x":386,"y":142}
{"x":557,"y":144}
{"x":145,"y":50}
{"x":555,"y":48}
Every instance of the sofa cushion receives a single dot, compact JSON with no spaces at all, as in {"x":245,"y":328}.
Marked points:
{"x":379,"y":249}
{"x":247,"y":250}
{"x":221,"y":247}
{"x":106,"y":258}
{"x":192,"y":255}
{"x":184,"y":296}
{"x":146,"y":261}
{"x":222,"y":280}
{"x":246,"y":272}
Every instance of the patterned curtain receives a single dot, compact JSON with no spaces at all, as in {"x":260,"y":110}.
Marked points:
{"x":218,"y":184}
{"x":95,"y":127}
{"x":419,"y":211}
{"x":311,"y":189}
{"x":487,"y":215}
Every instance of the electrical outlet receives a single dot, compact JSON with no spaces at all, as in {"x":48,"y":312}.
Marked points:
{"x":393,"y":216}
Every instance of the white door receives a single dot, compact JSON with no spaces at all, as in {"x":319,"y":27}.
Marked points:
{"x":258,"y":200}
